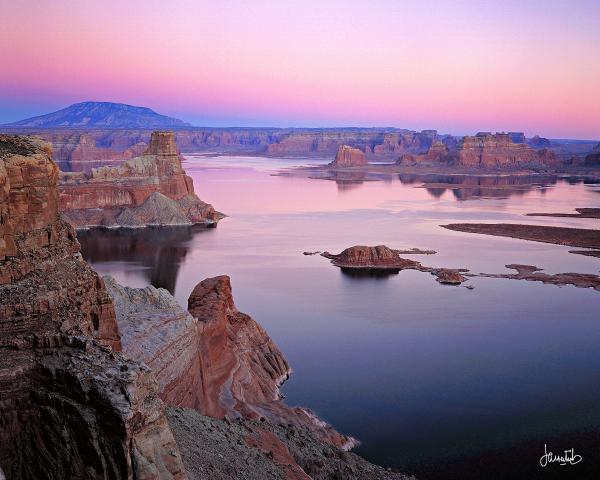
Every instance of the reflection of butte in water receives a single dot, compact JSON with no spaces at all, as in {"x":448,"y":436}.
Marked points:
{"x":465,"y":187}
{"x":160,"y":249}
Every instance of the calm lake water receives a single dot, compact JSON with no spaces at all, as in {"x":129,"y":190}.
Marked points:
{"x":440,"y":381}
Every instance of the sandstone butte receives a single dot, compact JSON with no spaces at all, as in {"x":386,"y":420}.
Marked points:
{"x":152,"y":189}
{"x":86,"y":372}
{"x":349,"y":157}
{"x":484,"y":151}
{"x":72,"y":406}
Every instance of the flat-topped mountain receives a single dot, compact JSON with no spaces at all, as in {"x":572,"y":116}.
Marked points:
{"x":102,"y":114}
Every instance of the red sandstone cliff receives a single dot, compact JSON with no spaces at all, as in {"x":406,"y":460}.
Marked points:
{"x":349,"y":157}
{"x":152,"y":189}
{"x":71,"y":406}
{"x":213,"y":359}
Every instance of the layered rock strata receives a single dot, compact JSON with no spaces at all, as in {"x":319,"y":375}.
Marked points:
{"x":149,"y":190}
{"x":349,"y":157}
{"x":71,"y":406}
{"x":497,"y":151}
{"x":213,"y":359}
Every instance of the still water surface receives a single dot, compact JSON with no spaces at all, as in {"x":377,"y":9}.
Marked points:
{"x":440,"y":381}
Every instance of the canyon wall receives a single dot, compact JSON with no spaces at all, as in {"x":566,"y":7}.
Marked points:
{"x":151,"y":189}
{"x":81,"y":150}
{"x":71,"y":406}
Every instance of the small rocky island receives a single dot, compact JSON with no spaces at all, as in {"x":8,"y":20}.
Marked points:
{"x":381,"y":257}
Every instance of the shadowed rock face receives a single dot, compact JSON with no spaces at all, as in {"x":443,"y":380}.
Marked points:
{"x":149,"y":190}
{"x":70,"y":405}
{"x":349,"y":157}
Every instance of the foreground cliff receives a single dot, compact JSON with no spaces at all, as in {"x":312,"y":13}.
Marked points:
{"x":212,"y":358}
{"x":152,"y":189}
{"x":71,"y":406}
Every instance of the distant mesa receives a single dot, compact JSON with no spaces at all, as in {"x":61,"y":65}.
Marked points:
{"x":486,"y":150}
{"x":102,"y":115}
{"x":349,"y":157}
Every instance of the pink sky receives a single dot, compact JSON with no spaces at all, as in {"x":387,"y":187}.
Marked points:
{"x":458,"y":66}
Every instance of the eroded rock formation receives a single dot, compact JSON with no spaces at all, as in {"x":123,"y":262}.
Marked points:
{"x":213,"y":359}
{"x":381,"y":258}
{"x":149,"y":190}
{"x":493,"y":151}
{"x":349,"y":157}
{"x":71,"y":406}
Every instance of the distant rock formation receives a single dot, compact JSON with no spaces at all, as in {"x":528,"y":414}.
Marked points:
{"x":398,"y":143}
{"x":517,"y":137}
{"x":438,"y":154}
{"x":497,"y":151}
{"x":102,"y":114}
{"x":593,"y":159}
{"x":71,"y":405}
{"x":539,"y":142}
{"x":349,"y":157}
{"x":149,"y":190}
{"x":213,"y":359}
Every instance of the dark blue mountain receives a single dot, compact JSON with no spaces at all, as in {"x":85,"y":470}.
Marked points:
{"x":102,"y":115}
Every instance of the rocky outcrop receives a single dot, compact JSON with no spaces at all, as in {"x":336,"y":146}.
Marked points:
{"x":438,"y":154}
{"x":449,"y":276}
{"x":221,"y":449}
{"x":371,"y":257}
{"x":534,"y":274}
{"x":382,"y":258}
{"x":349,"y":157}
{"x":213,"y":359}
{"x":71,"y":406}
{"x":149,"y":190}
{"x":498,"y":151}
